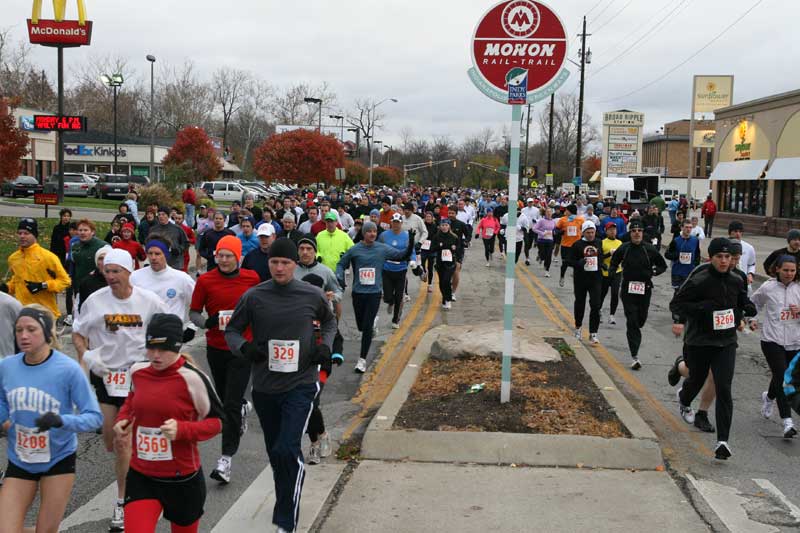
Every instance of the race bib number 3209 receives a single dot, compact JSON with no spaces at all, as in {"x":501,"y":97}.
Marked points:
{"x":32,"y":447}
{"x":284,"y":356}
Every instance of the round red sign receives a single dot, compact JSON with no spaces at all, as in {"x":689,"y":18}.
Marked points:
{"x":519,"y":41}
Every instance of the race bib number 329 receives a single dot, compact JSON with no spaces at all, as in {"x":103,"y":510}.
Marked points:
{"x":284,"y":356}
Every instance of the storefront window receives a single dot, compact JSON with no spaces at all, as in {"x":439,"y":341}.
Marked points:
{"x":746,"y":197}
{"x":99,"y":169}
{"x":73,"y":167}
{"x":790,"y":199}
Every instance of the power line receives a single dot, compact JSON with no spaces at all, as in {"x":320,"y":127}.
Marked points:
{"x":594,"y":7}
{"x":642,"y":29}
{"x":604,"y":9}
{"x":612,"y":18}
{"x":692,"y":56}
{"x":659,"y":24}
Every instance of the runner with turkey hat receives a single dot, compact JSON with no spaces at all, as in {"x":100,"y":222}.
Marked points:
{"x":171,"y":407}
{"x":285,"y":357}
{"x":109,"y":337}
{"x":394,"y":272}
{"x":588,"y":279}
{"x":640,"y":261}
{"x":367,"y":259}
{"x":713,"y":301}
{"x":217,"y":292}
{"x":44,"y":401}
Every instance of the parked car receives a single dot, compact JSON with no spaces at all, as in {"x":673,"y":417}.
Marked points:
{"x":262,"y":191}
{"x":117,"y":185}
{"x":22,"y":186}
{"x":74,"y":184}
{"x":225,"y":191}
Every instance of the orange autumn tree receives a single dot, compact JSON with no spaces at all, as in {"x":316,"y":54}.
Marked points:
{"x":13,"y":142}
{"x":300,"y":156}
{"x":192,"y":158}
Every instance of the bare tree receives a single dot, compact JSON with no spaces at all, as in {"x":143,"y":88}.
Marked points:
{"x":15,"y":66}
{"x":289,"y":105}
{"x":565,"y":131}
{"x":184,"y":99}
{"x":230,"y":87}
{"x":251,"y":124}
{"x":367,"y":119}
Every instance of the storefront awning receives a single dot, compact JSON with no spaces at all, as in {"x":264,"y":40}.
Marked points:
{"x":595,"y":177}
{"x":739,"y":170}
{"x":617,"y":184}
{"x":784,"y":168}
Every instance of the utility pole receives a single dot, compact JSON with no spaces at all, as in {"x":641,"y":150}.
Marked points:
{"x":578,"y":151}
{"x":550,"y":139}
{"x":527,"y":137}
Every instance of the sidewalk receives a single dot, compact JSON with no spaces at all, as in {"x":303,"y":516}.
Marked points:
{"x":443,"y":494}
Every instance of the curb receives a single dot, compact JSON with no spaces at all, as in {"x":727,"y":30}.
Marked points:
{"x":382,"y":442}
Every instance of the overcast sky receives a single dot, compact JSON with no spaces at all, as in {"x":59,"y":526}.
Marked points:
{"x":418,"y":50}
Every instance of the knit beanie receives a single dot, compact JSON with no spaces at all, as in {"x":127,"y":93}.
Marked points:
{"x":232,"y":244}
{"x":284,"y":248}
{"x":719,"y":245}
{"x":164,"y":332}
{"x":792,"y":235}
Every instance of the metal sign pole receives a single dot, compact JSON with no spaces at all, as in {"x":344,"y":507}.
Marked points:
{"x":511,"y":241}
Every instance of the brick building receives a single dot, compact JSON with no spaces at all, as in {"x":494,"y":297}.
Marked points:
{"x":667,"y":152}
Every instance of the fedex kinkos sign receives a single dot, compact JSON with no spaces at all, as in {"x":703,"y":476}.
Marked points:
{"x":81,"y":150}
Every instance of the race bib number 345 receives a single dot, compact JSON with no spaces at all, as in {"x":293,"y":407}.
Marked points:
{"x":118,"y":383}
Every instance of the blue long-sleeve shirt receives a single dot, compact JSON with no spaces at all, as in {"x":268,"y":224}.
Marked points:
{"x":56,"y":385}
{"x":248,"y":243}
{"x":367,"y":262}
{"x":401,"y":243}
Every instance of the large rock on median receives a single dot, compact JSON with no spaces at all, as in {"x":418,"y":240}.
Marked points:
{"x":487,"y":340}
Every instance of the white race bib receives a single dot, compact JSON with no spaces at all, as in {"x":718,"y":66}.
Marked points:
{"x":426,"y":245}
{"x":224,"y":318}
{"x":547,"y":235}
{"x":32,"y":447}
{"x":572,"y":231}
{"x":724,"y":319}
{"x":152,"y":445}
{"x":284,"y":355}
{"x":636,"y":287}
{"x":489,"y":233}
{"x":686,"y":258}
{"x":787,"y":315}
{"x":118,"y":383}
{"x":366,"y":276}
{"x":654,"y":241}
{"x":447,"y":256}
{"x":385,"y":225}
{"x":591,"y":264}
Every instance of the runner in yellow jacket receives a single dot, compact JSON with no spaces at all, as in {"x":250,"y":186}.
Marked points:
{"x":36,"y":274}
{"x":332,"y":243}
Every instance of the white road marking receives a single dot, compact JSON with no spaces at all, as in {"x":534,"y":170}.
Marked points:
{"x":253,"y":510}
{"x":95,"y":509}
{"x":728,"y":504}
{"x":768,"y":486}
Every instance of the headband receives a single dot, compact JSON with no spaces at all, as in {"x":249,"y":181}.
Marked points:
{"x":42,"y":318}
{"x":160,"y":245}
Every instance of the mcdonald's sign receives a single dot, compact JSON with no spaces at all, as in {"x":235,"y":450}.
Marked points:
{"x":57,"y":31}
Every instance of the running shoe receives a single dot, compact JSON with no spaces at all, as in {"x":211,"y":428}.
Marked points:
{"x":395,"y":325}
{"x":247,"y":407}
{"x":766,"y":405}
{"x":117,"y":518}
{"x":555,"y":260}
{"x":687,"y":413}
{"x":488,"y":264}
{"x":314,"y":457}
{"x":788,"y":428}
{"x":222,"y":472}
{"x":281,"y":530}
{"x":547,"y":274}
{"x":430,"y":288}
{"x":324,"y":445}
{"x":593,"y":338}
{"x":612,"y":319}
{"x":446,"y":305}
{"x":578,"y":332}
{"x":636,"y":364}
{"x":674,"y":375}
{"x":527,"y":262}
{"x":702,"y":422}
{"x":68,"y":320}
{"x":406,"y":298}
{"x":452,"y":297}
{"x":361,"y":365}
{"x":561,"y":282}
{"x":722,"y":451}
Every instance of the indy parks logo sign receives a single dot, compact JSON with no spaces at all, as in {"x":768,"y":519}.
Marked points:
{"x":518,"y":52}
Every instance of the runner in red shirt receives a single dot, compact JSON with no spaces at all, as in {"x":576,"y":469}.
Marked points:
{"x":130,"y":245}
{"x":171,"y":407}
{"x":217,"y":291}
{"x":190,"y":236}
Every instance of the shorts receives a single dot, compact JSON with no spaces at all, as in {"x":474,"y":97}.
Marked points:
{"x":64,"y":466}
{"x":182,"y":498}
{"x":102,"y":393}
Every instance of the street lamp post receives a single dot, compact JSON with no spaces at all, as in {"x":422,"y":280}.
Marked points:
{"x":114,"y":81}
{"x":388,"y":152}
{"x":371,"y":152}
{"x":152,"y":60}
{"x":357,"y":131}
{"x":341,"y":126}
{"x":372,"y":126}
{"x":318,"y":101}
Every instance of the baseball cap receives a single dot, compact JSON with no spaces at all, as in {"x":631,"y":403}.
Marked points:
{"x":265,"y":230}
{"x":397,"y":217}
{"x":330,"y":216}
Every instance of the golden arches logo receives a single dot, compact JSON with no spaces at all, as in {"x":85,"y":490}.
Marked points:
{"x":59,"y":9}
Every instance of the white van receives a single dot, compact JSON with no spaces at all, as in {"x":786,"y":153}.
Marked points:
{"x":224,"y":191}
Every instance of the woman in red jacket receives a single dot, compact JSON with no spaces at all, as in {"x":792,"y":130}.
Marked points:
{"x":130,"y":245}
{"x":171,"y":407}
{"x":487,"y":229}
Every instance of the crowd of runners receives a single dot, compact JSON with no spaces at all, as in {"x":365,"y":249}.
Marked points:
{"x":267,"y":286}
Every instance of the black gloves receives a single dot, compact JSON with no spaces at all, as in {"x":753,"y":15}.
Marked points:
{"x":322,"y":355}
{"x":48,"y":420}
{"x":252,"y":353}
{"x":476,"y":236}
{"x":212,"y":321}
{"x":4,"y":287}
{"x":35,"y":286}
{"x":188,"y":334}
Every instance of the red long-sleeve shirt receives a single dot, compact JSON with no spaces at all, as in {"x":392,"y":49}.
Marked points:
{"x":180,"y":392}
{"x":217,"y":292}
{"x":132,"y":247}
